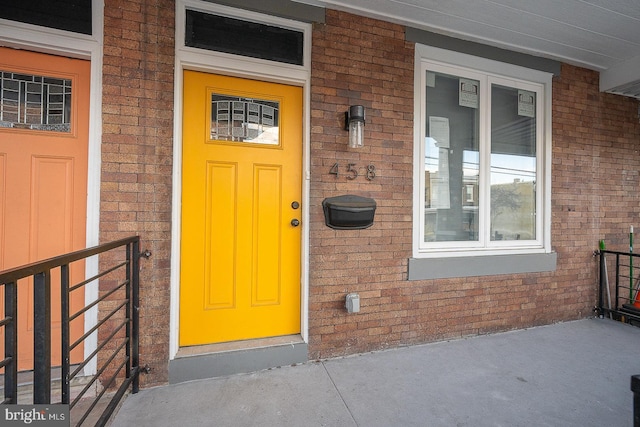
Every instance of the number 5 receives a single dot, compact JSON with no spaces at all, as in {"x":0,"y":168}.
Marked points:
{"x":353,"y":171}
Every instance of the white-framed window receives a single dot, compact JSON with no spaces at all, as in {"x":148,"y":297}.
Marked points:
{"x":482,"y":157}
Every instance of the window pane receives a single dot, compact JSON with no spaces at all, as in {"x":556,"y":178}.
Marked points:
{"x":35,"y":102}
{"x":452,"y":160}
{"x":244,"y":120}
{"x":513,"y":164}
{"x":69,"y":15}
{"x":238,"y":37}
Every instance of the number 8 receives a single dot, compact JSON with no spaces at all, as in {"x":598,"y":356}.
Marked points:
{"x":371,"y":172}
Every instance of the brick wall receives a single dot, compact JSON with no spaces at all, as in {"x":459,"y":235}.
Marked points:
{"x":596,"y":161}
{"x":137,"y":154}
{"x":358,"y":60}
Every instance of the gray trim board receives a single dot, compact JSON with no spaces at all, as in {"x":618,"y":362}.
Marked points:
{"x":226,"y":363}
{"x":281,"y":8}
{"x":450,"y":267}
{"x":484,"y":51}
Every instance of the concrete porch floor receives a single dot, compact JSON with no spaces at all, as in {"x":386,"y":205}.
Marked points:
{"x":568,"y":374}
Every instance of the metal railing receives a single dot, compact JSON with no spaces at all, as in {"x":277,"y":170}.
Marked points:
{"x":618,"y":296}
{"x":623,"y":302}
{"x":112,"y":337}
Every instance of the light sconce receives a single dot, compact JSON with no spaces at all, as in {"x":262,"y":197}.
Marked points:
{"x":354,"y":123}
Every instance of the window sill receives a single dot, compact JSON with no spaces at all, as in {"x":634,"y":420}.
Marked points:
{"x":487,"y":265}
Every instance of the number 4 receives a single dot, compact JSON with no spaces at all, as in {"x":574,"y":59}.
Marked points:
{"x":335,"y":170}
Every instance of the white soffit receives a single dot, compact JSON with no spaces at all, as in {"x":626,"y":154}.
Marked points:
{"x":602,"y":35}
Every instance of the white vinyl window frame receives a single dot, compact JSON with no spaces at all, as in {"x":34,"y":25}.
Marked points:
{"x":455,"y":258}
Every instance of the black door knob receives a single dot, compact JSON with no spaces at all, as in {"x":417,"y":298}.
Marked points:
{"x":295,"y":222}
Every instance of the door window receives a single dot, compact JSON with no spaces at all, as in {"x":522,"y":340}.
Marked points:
{"x":247,"y":120}
{"x":35,"y":102}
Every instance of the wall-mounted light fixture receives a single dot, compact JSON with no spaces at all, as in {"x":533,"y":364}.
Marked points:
{"x":354,"y":123}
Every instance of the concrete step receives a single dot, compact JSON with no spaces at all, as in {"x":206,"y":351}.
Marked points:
{"x":25,"y":387}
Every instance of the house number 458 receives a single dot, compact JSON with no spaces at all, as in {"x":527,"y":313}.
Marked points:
{"x":352,"y":171}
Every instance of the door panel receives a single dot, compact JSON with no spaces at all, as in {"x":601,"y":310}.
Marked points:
{"x":3,"y":205}
{"x":220,"y":262}
{"x":43,"y":179}
{"x":240,"y":253}
{"x":267,"y":248}
{"x":51,"y":192}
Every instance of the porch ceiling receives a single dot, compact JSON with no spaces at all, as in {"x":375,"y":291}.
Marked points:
{"x":602,"y":35}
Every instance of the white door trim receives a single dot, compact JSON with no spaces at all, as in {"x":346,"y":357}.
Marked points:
{"x":188,"y":58}
{"x":81,"y":46}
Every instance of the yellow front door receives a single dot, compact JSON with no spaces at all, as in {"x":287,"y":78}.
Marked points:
{"x":241,"y":209}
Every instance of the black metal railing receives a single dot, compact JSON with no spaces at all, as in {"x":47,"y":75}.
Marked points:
{"x":619,"y":284}
{"x":623,"y":301}
{"x":112,"y":336}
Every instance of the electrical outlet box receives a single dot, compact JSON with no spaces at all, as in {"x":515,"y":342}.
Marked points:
{"x":353,"y":303}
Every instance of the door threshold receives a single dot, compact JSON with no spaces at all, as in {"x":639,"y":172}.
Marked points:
{"x":197,"y":350}
{"x":224,"y":359}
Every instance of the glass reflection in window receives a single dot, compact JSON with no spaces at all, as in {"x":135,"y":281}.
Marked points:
{"x":246,"y":120}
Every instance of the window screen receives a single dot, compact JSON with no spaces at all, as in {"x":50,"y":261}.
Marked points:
{"x":229,"y":35}
{"x":69,"y":15}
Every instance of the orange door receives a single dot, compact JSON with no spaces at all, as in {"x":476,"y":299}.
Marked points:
{"x":44,"y":128}
{"x":241,"y":210}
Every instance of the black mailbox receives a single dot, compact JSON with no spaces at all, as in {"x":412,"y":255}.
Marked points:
{"x":349,"y":212}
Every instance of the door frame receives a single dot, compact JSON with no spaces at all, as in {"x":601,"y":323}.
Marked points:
{"x":188,"y":58}
{"x":88,"y":47}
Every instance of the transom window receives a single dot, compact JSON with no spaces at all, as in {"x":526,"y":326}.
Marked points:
{"x":481,"y":156}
